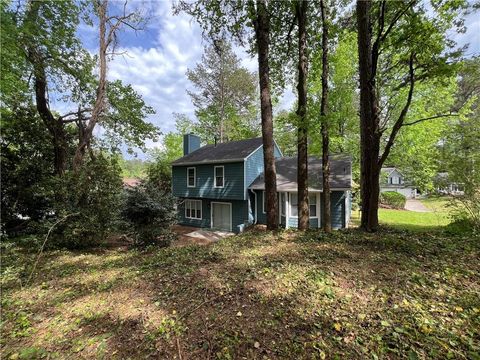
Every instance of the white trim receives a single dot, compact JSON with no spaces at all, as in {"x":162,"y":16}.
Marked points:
{"x":287,"y":208}
{"x":211,"y":213}
{"x":278,"y":147}
{"x":285,"y":213}
{"x":201,"y":209}
{"x":264,"y":202}
{"x":215,"y":177}
{"x":194,"y":177}
{"x":256,"y":206}
{"x":253,"y":152}
{"x":245,"y":190}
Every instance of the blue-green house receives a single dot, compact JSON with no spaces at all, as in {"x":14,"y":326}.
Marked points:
{"x":221,"y":186}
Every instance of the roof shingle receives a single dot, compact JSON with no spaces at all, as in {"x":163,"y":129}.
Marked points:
{"x":224,"y":152}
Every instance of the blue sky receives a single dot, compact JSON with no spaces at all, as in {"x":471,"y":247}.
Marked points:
{"x":158,"y":57}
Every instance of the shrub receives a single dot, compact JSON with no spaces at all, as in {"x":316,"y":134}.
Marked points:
{"x":393,"y":199}
{"x":149,"y":213}
{"x":86,"y":204}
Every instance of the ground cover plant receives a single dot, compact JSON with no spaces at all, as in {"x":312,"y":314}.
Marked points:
{"x":391,"y":294}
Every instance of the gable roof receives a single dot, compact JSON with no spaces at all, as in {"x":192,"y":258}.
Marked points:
{"x":390,"y":169}
{"x":340,"y":174}
{"x":224,"y":152}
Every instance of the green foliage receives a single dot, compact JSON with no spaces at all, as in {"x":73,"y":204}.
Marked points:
{"x":149,"y":213}
{"x":91,"y":209}
{"x":27,"y":190}
{"x":132,"y":168}
{"x":393,"y":199}
{"x":224,"y":97}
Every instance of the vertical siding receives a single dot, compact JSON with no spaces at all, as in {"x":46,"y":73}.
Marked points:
{"x":337,"y":208}
{"x":204,"y":187}
{"x":239,"y":214}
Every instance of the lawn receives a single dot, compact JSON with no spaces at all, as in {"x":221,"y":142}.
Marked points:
{"x":286,"y":295}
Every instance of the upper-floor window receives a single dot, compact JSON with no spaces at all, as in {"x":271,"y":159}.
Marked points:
{"x":395,"y":180}
{"x":219,"y":176}
{"x":191,"y":177}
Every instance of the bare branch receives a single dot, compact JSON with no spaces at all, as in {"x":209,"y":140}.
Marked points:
{"x":430,"y":118}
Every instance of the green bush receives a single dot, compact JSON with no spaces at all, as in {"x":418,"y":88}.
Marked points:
{"x":86,"y":204}
{"x":149,"y":213}
{"x":393,"y":199}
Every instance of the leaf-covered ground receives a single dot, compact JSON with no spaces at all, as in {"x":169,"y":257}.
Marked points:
{"x":258,"y":296}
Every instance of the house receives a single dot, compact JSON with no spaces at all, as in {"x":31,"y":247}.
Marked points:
{"x":221,"y":186}
{"x":445,"y":186}
{"x":392,"y":179}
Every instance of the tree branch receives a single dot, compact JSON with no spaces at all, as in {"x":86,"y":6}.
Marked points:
{"x":430,"y":118}
{"x":403,"y":114}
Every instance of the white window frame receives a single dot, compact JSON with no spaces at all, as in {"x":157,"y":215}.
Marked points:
{"x":316,"y":205}
{"x":215,"y":177}
{"x":283,"y":205}
{"x":191,"y":201}
{"x":264,"y":201}
{"x":194,"y":177}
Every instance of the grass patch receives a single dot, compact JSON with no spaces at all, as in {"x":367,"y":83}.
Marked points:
{"x":437,"y":203}
{"x":392,"y":294}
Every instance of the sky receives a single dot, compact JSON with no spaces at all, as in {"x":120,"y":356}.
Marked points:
{"x":157,"y":58}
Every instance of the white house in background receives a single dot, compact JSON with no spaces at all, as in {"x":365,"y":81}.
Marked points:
{"x":445,"y":186}
{"x":392,"y":179}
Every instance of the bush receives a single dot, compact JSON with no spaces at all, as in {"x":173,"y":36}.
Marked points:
{"x":86,"y":204}
{"x":393,"y":199}
{"x":149,"y":213}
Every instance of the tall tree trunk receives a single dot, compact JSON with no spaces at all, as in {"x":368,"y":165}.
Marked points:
{"x":326,"y":211}
{"x":99,"y":106}
{"x":369,"y":121}
{"x":55,"y":126}
{"x":302,"y":166}
{"x":262,"y":33}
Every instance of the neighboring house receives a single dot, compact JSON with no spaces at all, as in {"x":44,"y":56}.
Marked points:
{"x":221,"y":186}
{"x":392,"y":179}
{"x":445,"y":186}
{"x":131,"y":182}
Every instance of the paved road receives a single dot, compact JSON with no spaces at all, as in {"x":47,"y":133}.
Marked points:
{"x":416,"y":205}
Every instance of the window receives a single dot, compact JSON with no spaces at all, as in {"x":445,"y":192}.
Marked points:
{"x":282,"y":204}
{"x":193,"y":209}
{"x":293,"y":205}
{"x":312,"y":203}
{"x":219,"y":176}
{"x":191,"y":177}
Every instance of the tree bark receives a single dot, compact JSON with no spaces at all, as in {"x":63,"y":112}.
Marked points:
{"x":326,"y":210}
{"x":369,"y":121}
{"x":54,"y":125}
{"x":262,"y":34}
{"x":99,"y":106}
{"x":302,"y":165}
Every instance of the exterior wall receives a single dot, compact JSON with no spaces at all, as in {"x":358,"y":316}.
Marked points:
{"x":337,"y":208}
{"x":190,"y":143}
{"x":204,"y":185}
{"x":340,"y":209}
{"x":239,"y":214}
{"x":254,"y":165}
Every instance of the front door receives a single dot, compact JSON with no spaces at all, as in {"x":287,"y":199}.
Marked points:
{"x":222,"y":216}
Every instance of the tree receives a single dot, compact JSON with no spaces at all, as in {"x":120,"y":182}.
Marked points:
{"x":327,"y":222}
{"x":218,"y":18}
{"x":225,"y":95}
{"x":109,"y":25}
{"x":301,"y":8}
{"x":389,"y":74}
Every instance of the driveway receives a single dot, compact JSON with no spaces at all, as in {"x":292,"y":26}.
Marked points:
{"x":188,"y":235}
{"x":416,"y":205}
